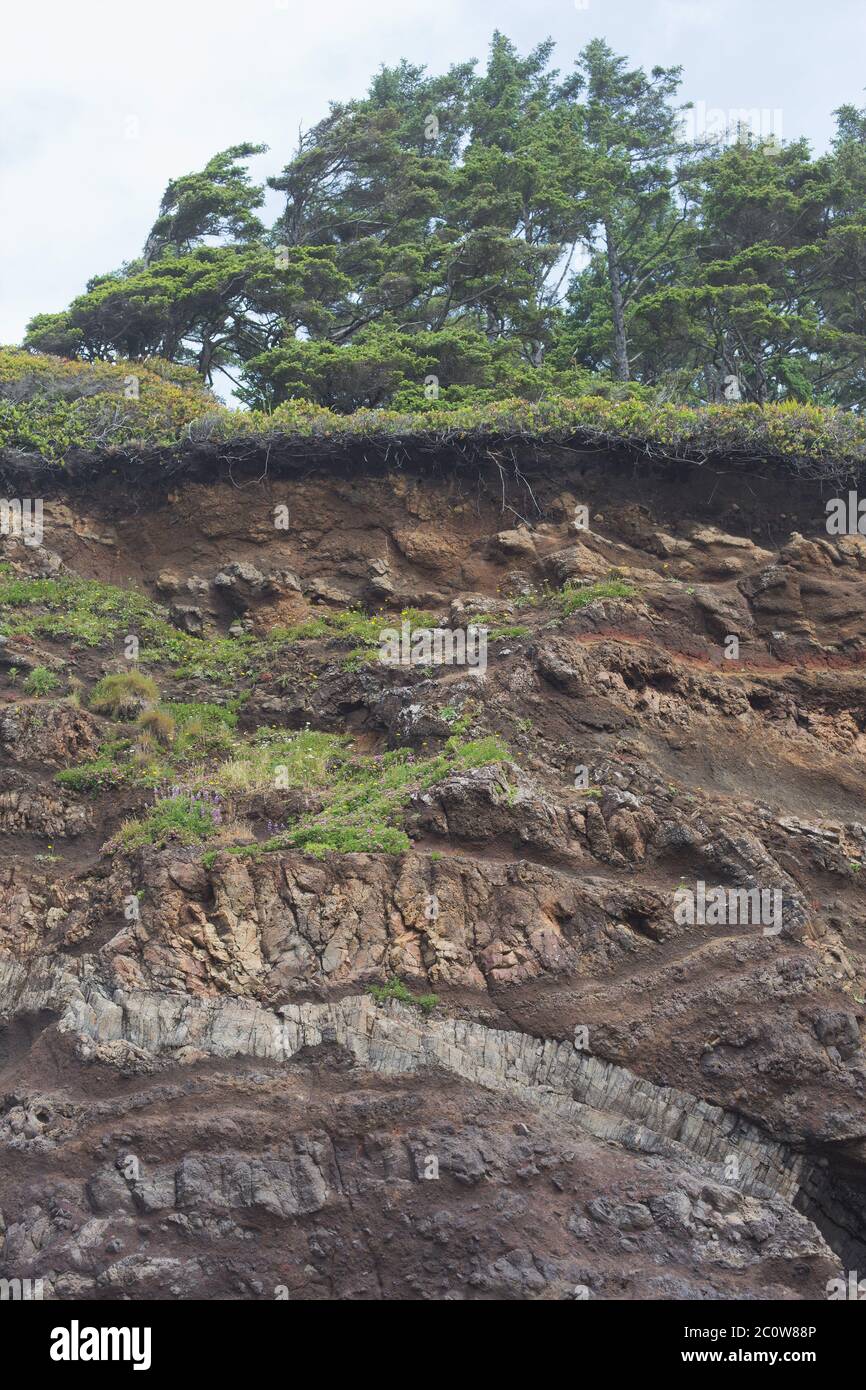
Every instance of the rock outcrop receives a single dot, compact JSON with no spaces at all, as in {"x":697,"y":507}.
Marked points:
{"x":214,"y":1082}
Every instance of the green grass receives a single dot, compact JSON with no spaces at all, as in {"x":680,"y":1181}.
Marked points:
{"x":195,"y":745}
{"x":101,"y":773}
{"x":396,"y":989}
{"x":182,"y":819}
{"x":349,"y":839}
{"x":41,"y":681}
{"x":87,"y":612}
{"x":203,"y":731}
{"x":158,"y":725}
{"x":572,"y":598}
{"x":277,"y":760}
{"x":366,"y":800}
{"x":123,"y":694}
{"x":91,"y":614}
{"x":363,"y":796}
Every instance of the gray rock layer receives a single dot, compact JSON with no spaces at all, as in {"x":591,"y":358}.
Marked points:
{"x":594,"y":1096}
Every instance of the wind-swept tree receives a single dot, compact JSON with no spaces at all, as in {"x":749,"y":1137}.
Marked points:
{"x":630,"y":167}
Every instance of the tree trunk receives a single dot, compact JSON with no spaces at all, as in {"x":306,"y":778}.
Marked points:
{"x":205,"y":358}
{"x":620,"y":344}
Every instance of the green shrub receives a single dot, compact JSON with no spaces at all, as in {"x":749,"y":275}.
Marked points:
{"x":202,"y":713}
{"x":349,"y":839}
{"x":52,"y":405}
{"x":96,"y":776}
{"x":572,"y":598}
{"x":41,"y":681}
{"x":158,"y":724}
{"x":124,"y":694}
{"x":363,"y":798}
{"x":180,"y":818}
{"x":396,"y":989}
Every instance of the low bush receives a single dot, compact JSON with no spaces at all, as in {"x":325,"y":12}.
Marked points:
{"x":185,"y":819}
{"x":159,"y":724}
{"x":41,"y":681}
{"x":396,"y":989}
{"x":124,"y":694}
{"x":572,"y":598}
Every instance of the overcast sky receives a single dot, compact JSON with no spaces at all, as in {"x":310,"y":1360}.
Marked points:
{"x":102,"y":101}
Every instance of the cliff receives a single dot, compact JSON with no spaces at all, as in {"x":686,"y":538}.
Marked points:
{"x":324,"y":975}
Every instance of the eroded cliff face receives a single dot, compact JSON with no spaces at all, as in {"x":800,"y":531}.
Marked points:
{"x":611,"y":1096}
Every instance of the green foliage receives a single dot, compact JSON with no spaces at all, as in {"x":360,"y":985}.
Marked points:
{"x":41,"y":681}
{"x":89,"y":613}
{"x":276,"y":758}
{"x":92,"y":613}
{"x":203,"y":714}
{"x":182,"y":819}
{"x":349,"y":839}
{"x":367,"y":795}
{"x":396,"y":989}
{"x":458,"y":721}
{"x":102,"y":773}
{"x":362,"y":796}
{"x":220,"y":201}
{"x":430,"y":229}
{"x":202,"y":730}
{"x":413,"y":372}
{"x":393,"y":989}
{"x":123,"y":694}
{"x":571,"y":598}
{"x":159,"y":724}
{"x":48,"y":405}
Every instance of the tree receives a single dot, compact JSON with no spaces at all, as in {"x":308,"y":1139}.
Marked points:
{"x":630,"y":131}
{"x":219,"y":201}
{"x":752,"y":303}
{"x":431,"y":228}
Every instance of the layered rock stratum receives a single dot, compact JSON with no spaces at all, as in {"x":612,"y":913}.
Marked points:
{"x":200,"y":1096}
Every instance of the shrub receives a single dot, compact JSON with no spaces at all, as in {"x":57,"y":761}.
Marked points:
{"x":571,"y":599}
{"x":348,"y":839}
{"x":396,"y":989}
{"x":41,"y":681}
{"x":123,"y":694}
{"x":49,"y":405}
{"x":145,"y":765}
{"x":182,"y":818}
{"x":298,"y":760}
{"x":159,"y":724}
{"x":94,"y":776}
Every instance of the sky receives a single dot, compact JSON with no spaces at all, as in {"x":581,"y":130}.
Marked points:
{"x":103,"y":101}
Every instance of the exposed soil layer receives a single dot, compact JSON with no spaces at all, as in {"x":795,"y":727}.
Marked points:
{"x":607,"y":1099}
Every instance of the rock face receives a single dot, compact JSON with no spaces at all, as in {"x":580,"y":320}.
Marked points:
{"x":588,"y":1095}
{"x":600,"y":1090}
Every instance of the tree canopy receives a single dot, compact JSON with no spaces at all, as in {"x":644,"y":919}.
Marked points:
{"x":502,"y":230}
